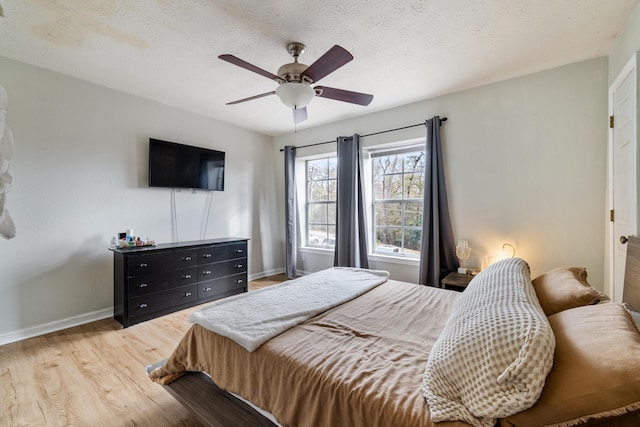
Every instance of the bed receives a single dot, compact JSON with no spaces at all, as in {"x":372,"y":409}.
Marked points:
{"x":400,"y":354}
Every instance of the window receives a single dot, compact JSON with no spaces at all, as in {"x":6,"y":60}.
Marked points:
{"x":396,"y":177}
{"x":321,"y":202}
{"x":397,"y":182}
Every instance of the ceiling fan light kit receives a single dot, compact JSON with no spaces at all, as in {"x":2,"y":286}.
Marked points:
{"x":295,"y":79}
{"x":295,"y":95}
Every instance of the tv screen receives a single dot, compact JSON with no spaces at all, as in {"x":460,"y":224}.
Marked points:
{"x":175,"y":165}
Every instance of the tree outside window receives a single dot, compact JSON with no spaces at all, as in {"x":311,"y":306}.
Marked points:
{"x":321,"y":202}
{"x":398,"y":181}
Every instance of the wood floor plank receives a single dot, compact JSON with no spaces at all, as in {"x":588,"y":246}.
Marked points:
{"x":94,"y":375}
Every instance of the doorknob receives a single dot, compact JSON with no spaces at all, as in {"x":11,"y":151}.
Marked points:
{"x":623,"y":239}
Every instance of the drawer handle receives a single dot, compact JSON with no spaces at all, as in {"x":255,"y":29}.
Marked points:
{"x":239,"y":281}
{"x":206,"y":255}
{"x":143,"y":285}
{"x":238,"y":265}
{"x":187,"y":258}
{"x":144,"y":264}
{"x":239,"y":251}
{"x":206,"y":272}
{"x":187,"y":276}
{"x":143,"y":305}
{"x":207,"y":289}
{"x":187,"y":294}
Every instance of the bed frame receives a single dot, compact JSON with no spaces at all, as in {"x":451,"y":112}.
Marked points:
{"x":213,"y":406}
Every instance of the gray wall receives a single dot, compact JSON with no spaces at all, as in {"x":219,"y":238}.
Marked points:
{"x":525,"y":164}
{"x":80,"y":176}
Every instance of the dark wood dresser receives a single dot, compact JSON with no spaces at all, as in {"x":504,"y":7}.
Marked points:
{"x":152,"y":281}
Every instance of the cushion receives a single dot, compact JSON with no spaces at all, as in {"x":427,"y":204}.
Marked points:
{"x":564,"y":288}
{"x":493,"y":355}
{"x":596,"y":368}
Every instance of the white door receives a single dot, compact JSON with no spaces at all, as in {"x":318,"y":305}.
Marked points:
{"x":623,"y":145}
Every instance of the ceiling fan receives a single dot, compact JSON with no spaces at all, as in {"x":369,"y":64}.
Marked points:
{"x":295,"y":80}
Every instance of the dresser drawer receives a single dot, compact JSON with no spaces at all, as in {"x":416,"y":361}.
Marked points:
{"x":221,"y":269}
{"x":149,"y":283}
{"x":212,"y":288}
{"x":161,"y":261}
{"x":222,"y":252}
{"x":158,"y":301}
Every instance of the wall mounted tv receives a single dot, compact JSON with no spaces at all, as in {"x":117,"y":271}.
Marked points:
{"x":175,"y":165}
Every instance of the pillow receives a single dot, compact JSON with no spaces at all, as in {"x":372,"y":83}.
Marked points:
{"x":596,"y":369}
{"x":564,"y":288}
{"x":493,"y":355}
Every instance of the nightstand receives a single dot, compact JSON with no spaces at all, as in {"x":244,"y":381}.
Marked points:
{"x":456,"y":281}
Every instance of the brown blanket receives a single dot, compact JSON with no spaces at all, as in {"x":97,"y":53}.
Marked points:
{"x":359,"y":364}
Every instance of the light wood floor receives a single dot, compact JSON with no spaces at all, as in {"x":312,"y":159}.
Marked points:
{"x":94,"y":375}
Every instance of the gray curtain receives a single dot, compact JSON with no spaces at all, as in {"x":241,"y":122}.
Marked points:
{"x":351,"y":230}
{"x":438,"y":252}
{"x":290,"y":210}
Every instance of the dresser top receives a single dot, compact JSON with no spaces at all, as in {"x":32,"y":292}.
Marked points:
{"x":174,"y":245}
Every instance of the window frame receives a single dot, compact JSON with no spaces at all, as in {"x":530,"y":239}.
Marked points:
{"x":304,"y":247}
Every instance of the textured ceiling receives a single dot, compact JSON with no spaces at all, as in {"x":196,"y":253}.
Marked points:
{"x":405,"y":50}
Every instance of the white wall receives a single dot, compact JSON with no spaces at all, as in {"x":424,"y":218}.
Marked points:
{"x":80,"y":173}
{"x":525,"y":164}
{"x":627,"y":44}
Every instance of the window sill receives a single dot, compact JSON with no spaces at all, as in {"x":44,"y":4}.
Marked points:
{"x":318,"y":251}
{"x":415,"y":262}
{"x":394,"y":259}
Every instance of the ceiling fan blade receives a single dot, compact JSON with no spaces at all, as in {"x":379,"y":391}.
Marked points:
{"x":251,"y":98}
{"x":333,"y":59}
{"x":343,"y":95}
{"x":244,"y":64}
{"x":299,"y":114}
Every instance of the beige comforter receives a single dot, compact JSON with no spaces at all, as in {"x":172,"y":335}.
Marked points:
{"x":359,"y":364}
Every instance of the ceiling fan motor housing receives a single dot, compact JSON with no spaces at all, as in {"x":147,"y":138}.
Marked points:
{"x":292,"y":73}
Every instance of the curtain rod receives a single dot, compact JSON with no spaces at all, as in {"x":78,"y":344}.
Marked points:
{"x":444,"y":119}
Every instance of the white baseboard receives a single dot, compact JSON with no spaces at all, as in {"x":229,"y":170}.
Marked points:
{"x":302,"y":272}
{"x":70,"y":322}
{"x":265,"y":274}
{"x":55,"y":326}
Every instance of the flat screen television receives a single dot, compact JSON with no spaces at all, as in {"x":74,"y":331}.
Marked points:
{"x":173,"y":165}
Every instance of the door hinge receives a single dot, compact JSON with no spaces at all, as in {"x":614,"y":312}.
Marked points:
{"x":611,"y":215}
{"x":611,"y":121}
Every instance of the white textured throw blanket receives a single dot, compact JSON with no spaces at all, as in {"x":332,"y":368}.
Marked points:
{"x":254,"y":318}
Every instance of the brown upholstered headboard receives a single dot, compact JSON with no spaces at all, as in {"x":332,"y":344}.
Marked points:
{"x":631,"y":293}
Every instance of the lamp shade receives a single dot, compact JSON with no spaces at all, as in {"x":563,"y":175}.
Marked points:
{"x":295,"y":95}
